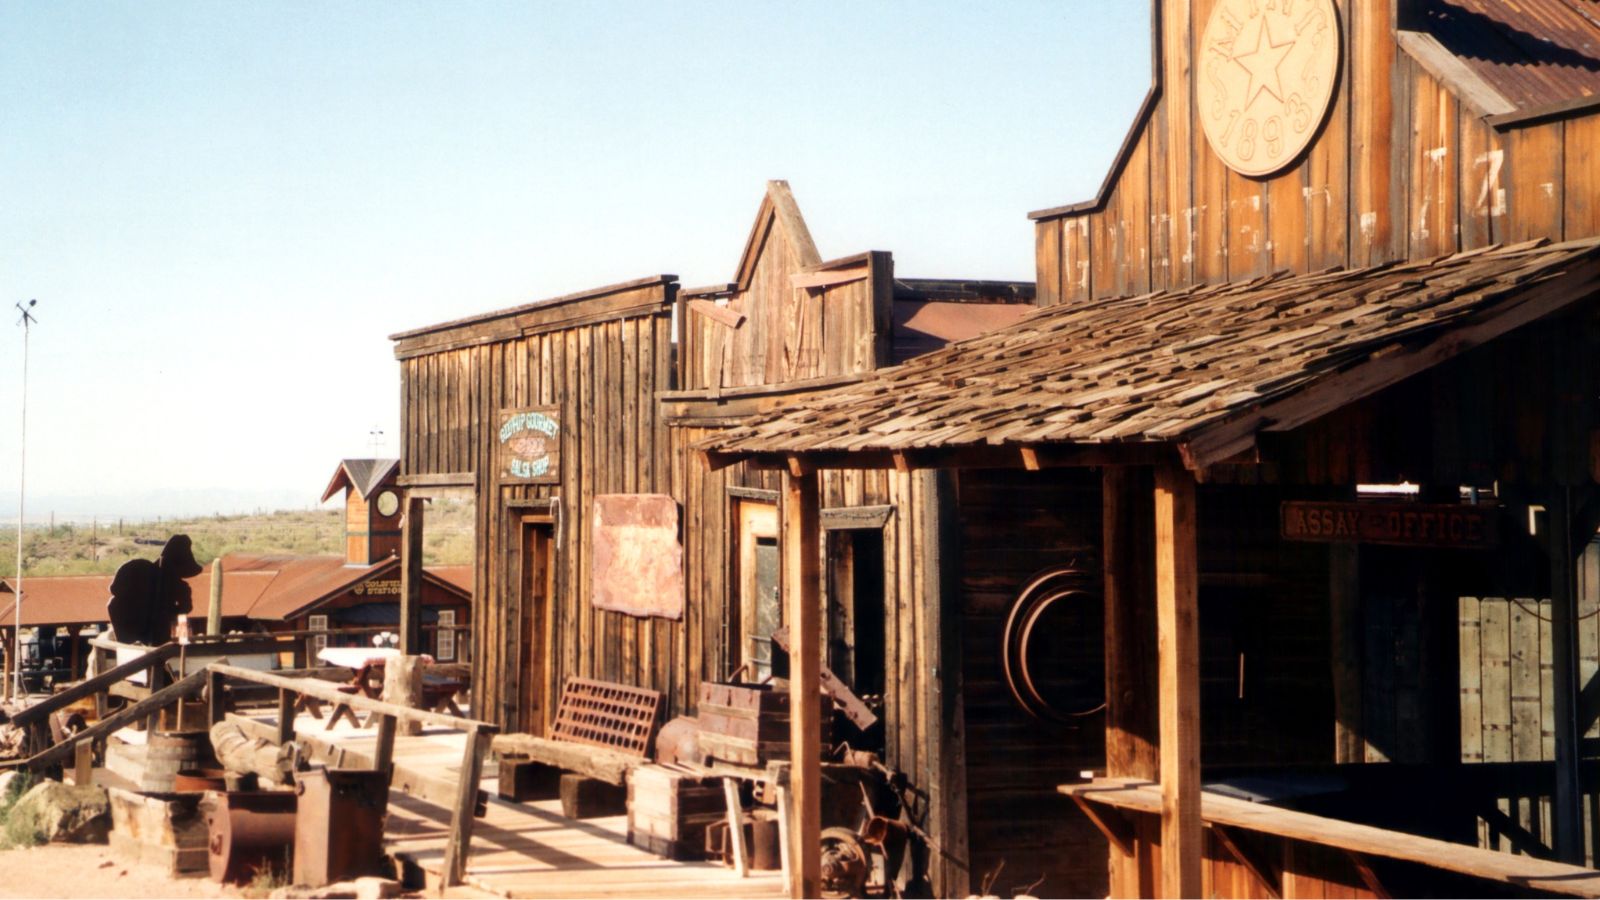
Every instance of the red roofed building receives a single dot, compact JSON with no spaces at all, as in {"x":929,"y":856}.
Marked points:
{"x":281,"y":593}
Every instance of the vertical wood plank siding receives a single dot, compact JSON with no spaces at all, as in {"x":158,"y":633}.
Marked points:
{"x":600,"y":359}
{"x":1399,"y":168}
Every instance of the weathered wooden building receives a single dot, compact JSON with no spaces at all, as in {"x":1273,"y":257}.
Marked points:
{"x":1344,"y":245}
{"x":617,"y":405}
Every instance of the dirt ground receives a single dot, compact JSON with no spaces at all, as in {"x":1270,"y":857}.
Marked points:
{"x":92,"y":870}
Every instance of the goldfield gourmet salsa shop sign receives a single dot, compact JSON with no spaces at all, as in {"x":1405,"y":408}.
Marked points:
{"x":530,"y":444}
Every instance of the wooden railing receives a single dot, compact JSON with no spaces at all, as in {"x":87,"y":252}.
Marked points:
{"x":212,"y":682}
{"x":479,"y":734}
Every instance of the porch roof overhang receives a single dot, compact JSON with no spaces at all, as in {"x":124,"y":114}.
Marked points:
{"x":1194,"y":375}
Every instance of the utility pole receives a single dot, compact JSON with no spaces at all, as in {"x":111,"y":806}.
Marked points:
{"x":26,"y":322}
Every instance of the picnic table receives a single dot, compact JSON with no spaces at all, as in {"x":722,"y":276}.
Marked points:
{"x":368,"y":664}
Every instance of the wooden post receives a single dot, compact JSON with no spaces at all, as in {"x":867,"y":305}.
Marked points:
{"x":5,"y":653}
{"x":1128,"y":524}
{"x":1348,"y":649}
{"x":83,"y":763}
{"x":285,"y":716}
{"x":411,"y":578}
{"x":74,"y":653}
{"x":216,"y":708}
{"x":1178,"y":641}
{"x":730,"y":796}
{"x":214,"y":612}
{"x":1128,"y":559}
{"x":1567,"y":809}
{"x":157,"y":679}
{"x":461,"y":820}
{"x":383,"y":757}
{"x":802,"y":607}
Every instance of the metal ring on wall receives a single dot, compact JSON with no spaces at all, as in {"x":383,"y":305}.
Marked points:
{"x":1058,"y":584}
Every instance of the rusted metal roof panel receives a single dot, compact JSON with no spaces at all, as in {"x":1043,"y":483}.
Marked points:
{"x":924,"y":326}
{"x":1536,"y":53}
{"x":1164,"y":367}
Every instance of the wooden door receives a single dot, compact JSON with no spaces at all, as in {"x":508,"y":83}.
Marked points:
{"x":537,"y":689}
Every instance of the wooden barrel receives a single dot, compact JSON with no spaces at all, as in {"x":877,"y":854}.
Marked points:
{"x":169,"y":752}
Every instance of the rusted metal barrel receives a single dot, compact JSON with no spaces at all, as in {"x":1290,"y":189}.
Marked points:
{"x":250,"y":832}
{"x":169,"y":752}
{"x":338,"y":834}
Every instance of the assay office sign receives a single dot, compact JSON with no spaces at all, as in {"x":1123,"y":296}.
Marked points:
{"x":530,"y":444}
{"x":1399,"y":524}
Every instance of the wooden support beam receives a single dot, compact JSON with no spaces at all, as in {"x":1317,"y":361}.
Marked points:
{"x":1112,"y":824}
{"x":801,"y":537}
{"x":1368,"y":877}
{"x":383,"y":756}
{"x":1567,"y":806}
{"x":1347,"y":637}
{"x":460,"y":844}
{"x":411,"y":577}
{"x":216,"y":702}
{"x":285,"y":716}
{"x":1128,"y":560}
{"x":1263,"y":874}
{"x":1178,"y":642}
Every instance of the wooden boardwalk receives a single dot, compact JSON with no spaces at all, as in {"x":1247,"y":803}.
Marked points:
{"x":518,"y":849}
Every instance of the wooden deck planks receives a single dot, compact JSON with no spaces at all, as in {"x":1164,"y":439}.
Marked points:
{"x":525,"y":850}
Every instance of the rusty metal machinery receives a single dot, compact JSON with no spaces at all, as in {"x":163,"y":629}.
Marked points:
{"x":1056,"y":591}
{"x":249,"y":832}
{"x":845,"y":865}
{"x":338,"y":833}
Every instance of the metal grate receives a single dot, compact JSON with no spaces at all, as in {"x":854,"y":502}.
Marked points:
{"x":603,"y":714}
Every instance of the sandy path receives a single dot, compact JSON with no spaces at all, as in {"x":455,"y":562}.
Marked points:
{"x":91,"y":870}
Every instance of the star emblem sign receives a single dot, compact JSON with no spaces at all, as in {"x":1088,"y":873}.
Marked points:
{"x":1262,"y":63}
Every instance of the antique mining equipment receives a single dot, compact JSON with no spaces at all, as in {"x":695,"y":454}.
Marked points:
{"x":748,"y":724}
{"x":249,"y":832}
{"x":338,"y":832}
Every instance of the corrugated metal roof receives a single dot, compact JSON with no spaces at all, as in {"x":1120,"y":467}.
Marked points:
{"x":1164,"y":367}
{"x":269,"y":588}
{"x":923,"y":326}
{"x":1536,"y":53}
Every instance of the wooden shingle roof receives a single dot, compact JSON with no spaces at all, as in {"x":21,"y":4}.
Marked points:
{"x":1203,"y":369}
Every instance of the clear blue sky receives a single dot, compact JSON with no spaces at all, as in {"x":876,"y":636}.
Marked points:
{"x":224,"y":208}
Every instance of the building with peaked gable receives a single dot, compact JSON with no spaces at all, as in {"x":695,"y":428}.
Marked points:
{"x":1346,"y":246}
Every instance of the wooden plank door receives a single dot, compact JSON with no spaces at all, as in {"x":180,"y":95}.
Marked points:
{"x":536,"y":703}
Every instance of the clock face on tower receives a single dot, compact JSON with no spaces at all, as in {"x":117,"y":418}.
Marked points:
{"x":1264,"y":79}
{"x":388,"y":503}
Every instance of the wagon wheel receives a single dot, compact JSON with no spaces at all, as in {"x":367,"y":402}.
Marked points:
{"x":844,"y":864}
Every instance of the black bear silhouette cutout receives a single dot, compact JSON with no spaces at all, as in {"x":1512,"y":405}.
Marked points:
{"x":147,"y":597}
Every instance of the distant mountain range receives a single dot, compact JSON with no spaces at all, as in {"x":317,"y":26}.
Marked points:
{"x":140,"y":505}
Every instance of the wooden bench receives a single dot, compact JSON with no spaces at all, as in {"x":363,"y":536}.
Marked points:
{"x":602,"y":731}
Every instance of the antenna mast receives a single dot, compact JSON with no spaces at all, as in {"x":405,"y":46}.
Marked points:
{"x":26,"y":322}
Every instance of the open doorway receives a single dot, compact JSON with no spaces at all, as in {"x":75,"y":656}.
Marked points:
{"x":855,"y":612}
{"x":535,"y":587}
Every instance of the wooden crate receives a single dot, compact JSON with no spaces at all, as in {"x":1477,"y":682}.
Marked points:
{"x":669,"y":809}
{"x":748,"y":724}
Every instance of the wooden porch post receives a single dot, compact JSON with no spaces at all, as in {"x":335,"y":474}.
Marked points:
{"x":74,"y":656}
{"x":5,"y":654}
{"x":1178,"y":640}
{"x":1568,"y":806}
{"x":1128,"y":560}
{"x":411,"y":578}
{"x":802,"y":607}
